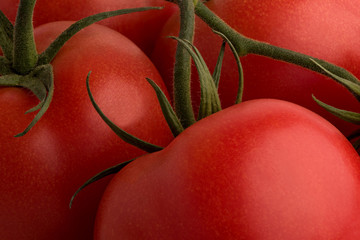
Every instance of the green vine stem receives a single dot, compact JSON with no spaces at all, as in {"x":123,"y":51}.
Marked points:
{"x":182,"y":68}
{"x":245,"y":46}
{"x":25,"y":54}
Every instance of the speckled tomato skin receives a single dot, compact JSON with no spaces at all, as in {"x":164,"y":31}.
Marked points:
{"x":260,"y":170}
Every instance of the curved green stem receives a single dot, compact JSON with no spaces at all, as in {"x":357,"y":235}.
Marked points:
{"x":48,"y":55}
{"x":182,"y":68}
{"x":245,"y":45}
{"x":168,"y":112}
{"x":25,"y":54}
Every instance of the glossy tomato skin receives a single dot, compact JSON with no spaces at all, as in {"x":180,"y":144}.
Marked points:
{"x":326,"y":30}
{"x":142,"y":28}
{"x":264,"y":169}
{"x":71,"y":143}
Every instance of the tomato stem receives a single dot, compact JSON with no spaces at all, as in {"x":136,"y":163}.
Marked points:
{"x":25,"y":54}
{"x":182,"y":68}
{"x":245,"y":46}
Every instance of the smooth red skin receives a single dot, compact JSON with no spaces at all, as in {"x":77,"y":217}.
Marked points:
{"x":71,"y":143}
{"x":142,"y":28}
{"x":323,"y":29}
{"x":264,"y":169}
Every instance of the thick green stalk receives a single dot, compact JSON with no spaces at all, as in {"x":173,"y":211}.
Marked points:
{"x":182,"y":68}
{"x":25,"y":54}
{"x":245,"y":46}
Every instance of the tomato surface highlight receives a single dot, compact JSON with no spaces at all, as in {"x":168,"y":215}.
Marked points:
{"x":263,"y":169}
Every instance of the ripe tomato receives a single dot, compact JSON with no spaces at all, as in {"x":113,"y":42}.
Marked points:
{"x":142,"y":28}
{"x":71,"y":143}
{"x":263,"y":169}
{"x":324,"y":29}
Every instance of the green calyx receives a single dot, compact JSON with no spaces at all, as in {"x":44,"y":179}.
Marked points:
{"x":22,"y":66}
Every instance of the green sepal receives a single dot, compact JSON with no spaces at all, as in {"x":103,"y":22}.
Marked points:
{"x":352,"y":86}
{"x":217,"y":71}
{"x":168,"y":112}
{"x":112,"y":170}
{"x":47,"y":56}
{"x":7,"y":26}
{"x":348,"y":116}
{"x":209,"y":99}
{"x":239,"y":95}
{"x":6,"y":36}
{"x":5,"y":66}
{"x":10,"y":80}
{"x":127,"y":137}
{"x":44,"y":91}
{"x":29,"y":82}
{"x":45,"y":74}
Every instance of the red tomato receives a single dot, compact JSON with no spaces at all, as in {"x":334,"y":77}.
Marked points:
{"x":142,"y":28}
{"x":263,"y":169}
{"x":324,"y":29}
{"x":71,"y":143}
